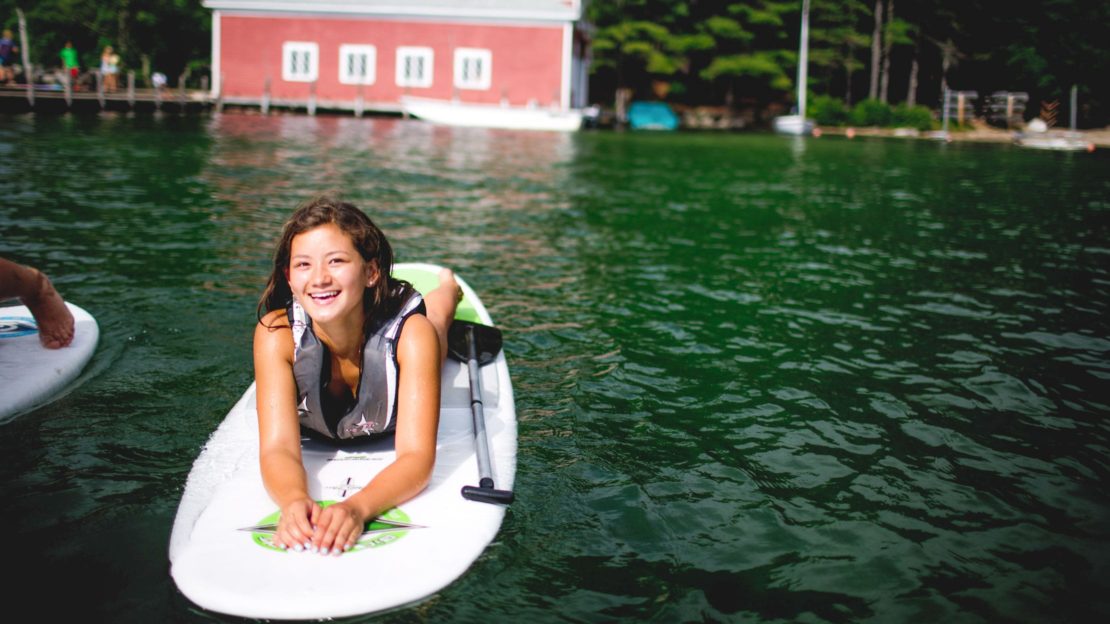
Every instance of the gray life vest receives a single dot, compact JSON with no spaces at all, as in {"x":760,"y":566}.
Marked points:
{"x":375,"y":409}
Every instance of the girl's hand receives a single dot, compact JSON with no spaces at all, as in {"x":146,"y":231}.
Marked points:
{"x":338,"y":528}
{"x":295,"y":526}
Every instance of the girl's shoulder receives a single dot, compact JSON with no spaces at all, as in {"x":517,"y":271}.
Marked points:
{"x":418,"y":337}
{"x":273,"y":332}
{"x":275,"y":319}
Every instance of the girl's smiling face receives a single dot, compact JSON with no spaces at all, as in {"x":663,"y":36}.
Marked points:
{"x":327,"y":274}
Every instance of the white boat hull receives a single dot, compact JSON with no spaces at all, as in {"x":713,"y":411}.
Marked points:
{"x":1057,"y":143}
{"x":491,"y":116}
{"x":794,"y":124}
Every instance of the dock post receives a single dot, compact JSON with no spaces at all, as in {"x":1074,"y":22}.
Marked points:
{"x":312,"y":98}
{"x":181,"y":91}
{"x":67,"y":84}
{"x":30,"y":72}
{"x":131,"y":89}
{"x":100,"y":89}
{"x":220,"y":95}
{"x":1071,"y":116}
{"x":266,"y":97}
{"x":359,"y":102}
{"x":944,"y":111}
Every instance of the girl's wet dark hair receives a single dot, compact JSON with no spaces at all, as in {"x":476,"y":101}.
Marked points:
{"x":380,"y":301}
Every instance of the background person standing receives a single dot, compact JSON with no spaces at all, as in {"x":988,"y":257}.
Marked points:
{"x":7,"y":57}
{"x":109,"y":68}
{"x":69,"y":61}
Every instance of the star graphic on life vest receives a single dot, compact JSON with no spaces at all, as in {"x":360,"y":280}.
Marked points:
{"x":363,"y":425}
{"x":303,"y":407}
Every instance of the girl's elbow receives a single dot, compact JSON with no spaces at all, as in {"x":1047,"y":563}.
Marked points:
{"x":422,"y":473}
{"x":422,"y":482}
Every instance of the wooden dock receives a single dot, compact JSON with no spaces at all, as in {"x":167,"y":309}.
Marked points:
{"x":61,"y":98}
{"x":57,"y":98}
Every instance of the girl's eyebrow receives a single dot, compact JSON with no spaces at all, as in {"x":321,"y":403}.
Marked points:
{"x":326,"y":254}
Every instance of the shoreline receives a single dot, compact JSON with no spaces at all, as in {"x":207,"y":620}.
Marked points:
{"x":1099,"y":137}
{"x":13,"y":100}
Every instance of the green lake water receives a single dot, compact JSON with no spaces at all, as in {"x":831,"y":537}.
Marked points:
{"x":757,"y":378}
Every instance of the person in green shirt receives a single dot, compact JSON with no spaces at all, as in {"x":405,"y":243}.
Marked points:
{"x":69,"y":60}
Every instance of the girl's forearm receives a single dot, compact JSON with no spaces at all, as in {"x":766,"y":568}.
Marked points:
{"x":284,"y":478}
{"x":399,"y":482}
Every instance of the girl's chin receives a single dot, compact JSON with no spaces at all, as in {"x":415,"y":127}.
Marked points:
{"x":322,"y":310}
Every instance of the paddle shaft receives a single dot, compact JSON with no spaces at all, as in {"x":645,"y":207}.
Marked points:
{"x":485,"y":492}
{"x":485,"y":471}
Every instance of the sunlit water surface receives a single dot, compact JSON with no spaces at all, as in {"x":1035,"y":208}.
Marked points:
{"x":757,"y":378}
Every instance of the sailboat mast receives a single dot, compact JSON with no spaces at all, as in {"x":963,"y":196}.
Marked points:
{"x":803,"y":60}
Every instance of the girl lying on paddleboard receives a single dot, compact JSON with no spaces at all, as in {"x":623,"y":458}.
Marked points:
{"x":343,"y":351}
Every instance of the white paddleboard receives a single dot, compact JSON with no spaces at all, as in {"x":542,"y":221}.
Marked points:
{"x":32,"y":375}
{"x":221,"y":554}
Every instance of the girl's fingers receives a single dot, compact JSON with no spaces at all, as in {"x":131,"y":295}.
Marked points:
{"x":337,"y":522}
{"x":330,"y":531}
{"x":314,"y":514}
{"x":309,"y":519}
{"x":295,"y":525}
{"x":352,"y":539}
{"x":337,"y":525}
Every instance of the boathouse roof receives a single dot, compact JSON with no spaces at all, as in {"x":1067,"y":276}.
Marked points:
{"x":558,"y":10}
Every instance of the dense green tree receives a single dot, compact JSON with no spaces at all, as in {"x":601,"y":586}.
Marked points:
{"x":836,"y":43}
{"x":708,"y":51}
{"x":171,"y":36}
{"x":754,"y":50}
{"x":630,"y":43}
{"x":896,"y":31}
{"x":1047,"y":48}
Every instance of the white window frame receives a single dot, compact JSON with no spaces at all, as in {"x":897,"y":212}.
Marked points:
{"x":465,"y":58}
{"x":291,"y":52}
{"x":368,"y":52}
{"x":425,"y":55}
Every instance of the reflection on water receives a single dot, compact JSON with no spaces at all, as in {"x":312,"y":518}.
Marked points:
{"x":758,"y":377}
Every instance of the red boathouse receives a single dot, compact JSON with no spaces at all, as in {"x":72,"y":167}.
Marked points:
{"x":367,"y":54}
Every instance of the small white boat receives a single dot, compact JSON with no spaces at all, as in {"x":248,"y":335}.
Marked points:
{"x":798,"y":124}
{"x":1059,"y":142}
{"x":465,"y":114}
{"x":1070,"y":141}
{"x":794,"y":124}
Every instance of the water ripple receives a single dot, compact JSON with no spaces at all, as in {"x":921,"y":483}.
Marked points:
{"x":757,"y":379}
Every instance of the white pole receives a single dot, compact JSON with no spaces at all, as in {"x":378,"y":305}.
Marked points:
{"x":25,"y":47}
{"x":217,"y":68}
{"x":803,"y":61}
{"x":568,"y":58}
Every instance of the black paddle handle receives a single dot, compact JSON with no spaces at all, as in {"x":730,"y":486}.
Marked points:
{"x":487,"y":494}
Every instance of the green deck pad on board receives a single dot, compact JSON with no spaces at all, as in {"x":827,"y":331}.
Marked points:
{"x":427,"y":281}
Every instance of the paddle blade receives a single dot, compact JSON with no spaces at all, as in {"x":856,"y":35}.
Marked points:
{"x":487,"y":341}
